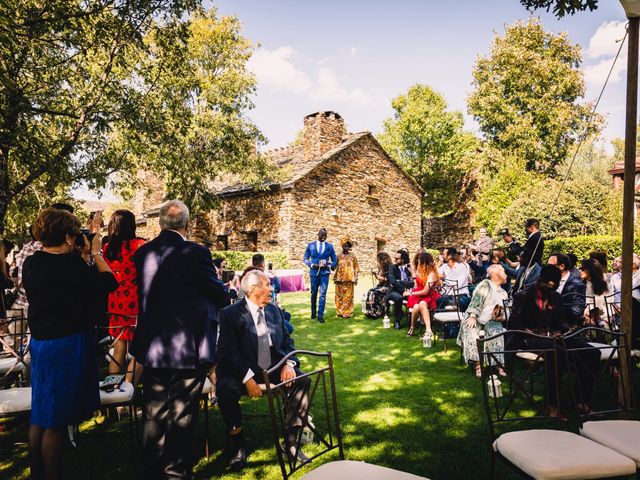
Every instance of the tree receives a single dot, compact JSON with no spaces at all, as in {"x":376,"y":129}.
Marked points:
{"x":90,"y":91}
{"x":429,"y":143}
{"x":526,"y":96}
{"x":561,"y":7}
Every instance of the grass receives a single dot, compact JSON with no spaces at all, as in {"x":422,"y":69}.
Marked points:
{"x":401,"y":405}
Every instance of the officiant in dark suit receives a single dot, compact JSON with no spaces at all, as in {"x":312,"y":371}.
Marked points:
{"x":253,"y":338}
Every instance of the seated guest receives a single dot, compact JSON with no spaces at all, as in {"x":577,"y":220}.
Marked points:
{"x":596,"y":288}
{"x":527,"y":273}
{"x":454,"y":274}
{"x":602,"y":259}
{"x":485,"y":312}
{"x":498,"y":257}
{"x":615,"y":281}
{"x":572,"y":289}
{"x":258,"y":261}
{"x":482,"y":249}
{"x":538,"y":309}
{"x":253,"y":338}
{"x":381,"y":274}
{"x":400,"y":281}
{"x":241,"y":292}
{"x":574,"y":264}
{"x":62,"y":290}
{"x":424,"y":296}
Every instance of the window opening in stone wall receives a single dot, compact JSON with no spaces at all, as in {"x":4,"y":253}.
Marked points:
{"x":250,"y":241}
{"x":380,"y":245}
{"x":373,"y":190}
{"x":222,"y":242}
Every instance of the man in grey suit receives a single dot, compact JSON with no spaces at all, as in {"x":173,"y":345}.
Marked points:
{"x":175,"y":339}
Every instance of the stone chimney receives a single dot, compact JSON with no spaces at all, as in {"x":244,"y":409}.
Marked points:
{"x":322,"y":131}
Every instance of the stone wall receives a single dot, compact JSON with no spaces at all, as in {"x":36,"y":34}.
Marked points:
{"x":358,"y":194}
{"x":452,"y":230}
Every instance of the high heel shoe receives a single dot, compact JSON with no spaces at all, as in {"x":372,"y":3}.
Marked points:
{"x":410,"y":332}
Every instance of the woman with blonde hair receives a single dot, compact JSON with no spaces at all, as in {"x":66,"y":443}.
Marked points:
{"x":423,"y":297}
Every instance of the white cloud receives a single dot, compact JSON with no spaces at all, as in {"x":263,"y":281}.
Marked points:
{"x":604,"y":45}
{"x":275,"y":68}
{"x":353,"y":51}
{"x":603,"y":42}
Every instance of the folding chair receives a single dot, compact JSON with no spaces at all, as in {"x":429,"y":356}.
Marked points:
{"x":325,"y":426}
{"x":14,"y":350}
{"x":534,"y":453}
{"x":601,"y":420}
{"x":448,"y":315}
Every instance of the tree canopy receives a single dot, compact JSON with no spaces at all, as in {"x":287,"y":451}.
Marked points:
{"x":526,"y":96}
{"x":561,"y":7}
{"x":94,"y":91}
{"x":428,"y":141}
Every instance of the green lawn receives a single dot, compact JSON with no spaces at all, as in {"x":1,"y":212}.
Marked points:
{"x":401,"y":405}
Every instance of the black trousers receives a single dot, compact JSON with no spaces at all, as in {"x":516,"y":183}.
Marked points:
{"x":229,"y":390}
{"x":588,"y":361}
{"x":397,"y":299}
{"x":171,"y":401}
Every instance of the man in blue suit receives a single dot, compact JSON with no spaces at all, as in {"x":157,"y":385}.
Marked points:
{"x":175,"y":339}
{"x":321,"y":258}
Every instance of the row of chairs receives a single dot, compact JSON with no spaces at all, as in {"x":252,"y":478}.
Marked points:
{"x":606,"y":442}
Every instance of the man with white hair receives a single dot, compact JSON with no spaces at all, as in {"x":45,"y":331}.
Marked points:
{"x":253,"y":338}
{"x":175,"y":339}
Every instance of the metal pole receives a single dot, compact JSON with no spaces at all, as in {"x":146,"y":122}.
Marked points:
{"x":629,"y":200}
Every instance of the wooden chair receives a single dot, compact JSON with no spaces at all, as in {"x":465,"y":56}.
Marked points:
{"x":325,"y":427}
{"x":512,"y":409}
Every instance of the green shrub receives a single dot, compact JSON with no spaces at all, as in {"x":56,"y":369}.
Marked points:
{"x":240,"y":260}
{"x":581,"y":246}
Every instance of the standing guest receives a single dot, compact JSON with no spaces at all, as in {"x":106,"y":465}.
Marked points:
{"x":534,"y":246}
{"x":485,"y":312}
{"x":424,"y":296}
{"x":61,"y":288}
{"x":321,"y":258}
{"x":220,"y":264}
{"x":123,"y":303}
{"x":175,"y":340}
{"x":512,"y":247}
{"x":454,"y":274}
{"x":595,"y":312}
{"x":482,"y":249}
{"x":381,"y":273}
{"x":572,"y":289}
{"x":345,"y":278}
{"x":400,"y":281}
{"x":254,"y":338}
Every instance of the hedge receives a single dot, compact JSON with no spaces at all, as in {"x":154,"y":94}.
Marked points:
{"x":240,"y":260}
{"x":581,"y":246}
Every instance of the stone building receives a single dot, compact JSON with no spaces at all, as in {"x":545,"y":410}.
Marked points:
{"x":344,"y":182}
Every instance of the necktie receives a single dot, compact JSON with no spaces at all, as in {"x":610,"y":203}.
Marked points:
{"x":264,"y":353}
{"x":321,"y":249}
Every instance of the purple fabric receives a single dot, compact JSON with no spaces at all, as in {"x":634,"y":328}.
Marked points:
{"x":292,"y":283}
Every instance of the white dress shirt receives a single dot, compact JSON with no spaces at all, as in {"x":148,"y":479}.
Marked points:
{"x":563,"y":280}
{"x":320,"y":246}
{"x":253,"y":310}
{"x":458,"y":273}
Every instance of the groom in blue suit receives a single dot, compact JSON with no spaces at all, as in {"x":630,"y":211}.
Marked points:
{"x":321,"y":258}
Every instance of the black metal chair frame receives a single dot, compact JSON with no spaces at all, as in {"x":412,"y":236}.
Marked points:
{"x":455,"y":294}
{"x":277,"y":404}
{"x":18,"y":350}
{"x":498,"y":408}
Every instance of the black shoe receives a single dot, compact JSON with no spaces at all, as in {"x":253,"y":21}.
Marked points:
{"x":295,"y":454}
{"x":238,"y":458}
{"x":313,"y":316}
{"x":320,"y":320}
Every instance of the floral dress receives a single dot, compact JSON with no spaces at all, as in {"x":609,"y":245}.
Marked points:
{"x":123,"y":303}
{"x":344,"y":279}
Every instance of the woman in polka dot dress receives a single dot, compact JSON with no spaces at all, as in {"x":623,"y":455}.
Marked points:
{"x":123,"y":303}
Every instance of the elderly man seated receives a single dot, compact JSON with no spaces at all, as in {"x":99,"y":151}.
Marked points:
{"x":485,"y":312}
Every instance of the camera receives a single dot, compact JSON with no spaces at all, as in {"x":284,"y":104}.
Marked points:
{"x":80,"y":238}
{"x":270,"y":266}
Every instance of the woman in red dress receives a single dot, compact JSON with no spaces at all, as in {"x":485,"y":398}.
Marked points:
{"x":423,"y":296}
{"x":123,"y":303}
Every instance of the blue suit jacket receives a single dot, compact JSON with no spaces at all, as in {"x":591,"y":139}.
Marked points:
{"x":312,"y":258}
{"x":238,"y":342}
{"x":179,"y":296}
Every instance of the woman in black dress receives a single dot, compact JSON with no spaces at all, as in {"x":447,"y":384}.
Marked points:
{"x":62,"y":290}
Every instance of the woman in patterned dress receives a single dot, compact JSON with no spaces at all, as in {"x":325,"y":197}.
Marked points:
{"x":345,"y":278}
{"x":123,"y":303}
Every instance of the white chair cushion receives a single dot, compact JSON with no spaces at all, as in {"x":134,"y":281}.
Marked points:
{"x":446,"y":317}
{"x":8,"y":363}
{"x":350,"y":470}
{"x":123,"y":394}
{"x":555,"y":454}
{"x":530,"y":356}
{"x":623,"y":436}
{"x":605,"y":351}
{"x":15,"y":400}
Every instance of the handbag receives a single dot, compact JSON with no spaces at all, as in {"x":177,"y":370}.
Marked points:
{"x":498,"y":313}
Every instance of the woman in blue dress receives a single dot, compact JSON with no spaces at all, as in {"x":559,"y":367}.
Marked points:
{"x":62,"y":290}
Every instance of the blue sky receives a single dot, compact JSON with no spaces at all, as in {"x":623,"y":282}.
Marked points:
{"x":354,"y":56}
